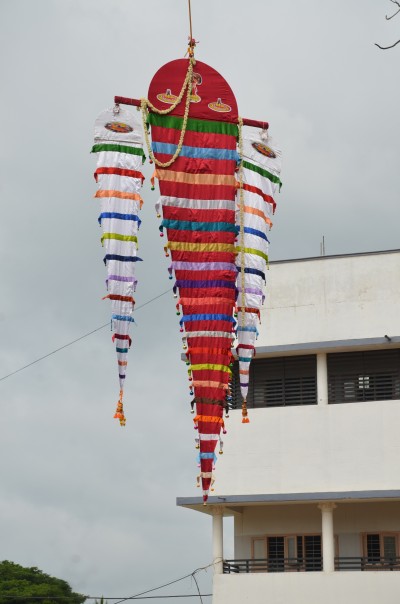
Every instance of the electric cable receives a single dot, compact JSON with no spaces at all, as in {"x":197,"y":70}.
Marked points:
{"x":77,"y":339}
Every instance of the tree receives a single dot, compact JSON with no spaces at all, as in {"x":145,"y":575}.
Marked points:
{"x":19,"y":585}
{"x":387,"y":19}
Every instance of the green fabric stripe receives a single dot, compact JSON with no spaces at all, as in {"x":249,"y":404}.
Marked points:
{"x":118,"y":148}
{"x":250,"y":250}
{"x":173,"y":121}
{"x":119,"y":237}
{"x":263,"y":172}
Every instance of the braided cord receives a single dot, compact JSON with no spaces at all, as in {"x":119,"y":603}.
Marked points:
{"x":145,"y":104}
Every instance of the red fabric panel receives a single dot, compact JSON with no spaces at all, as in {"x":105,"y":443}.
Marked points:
{"x":213,"y":86}
{"x":201,"y":236}
{"x":182,"y":256}
{"x":190,"y":191}
{"x":194,"y":165}
{"x":175,"y":213}
{"x":182,"y":275}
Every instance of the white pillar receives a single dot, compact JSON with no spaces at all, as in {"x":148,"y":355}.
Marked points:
{"x":328,"y":539}
{"x":218,"y":539}
{"x":322,"y":379}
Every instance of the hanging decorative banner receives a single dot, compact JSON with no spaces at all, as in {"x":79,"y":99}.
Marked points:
{"x":216,"y":206}
{"x":196,"y":159}
{"x":258,"y":179}
{"x":119,"y":149}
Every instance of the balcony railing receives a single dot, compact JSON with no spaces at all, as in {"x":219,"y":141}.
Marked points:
{"x":367,"y":563}
{"x":271,"y":565}
{"x":283,"y":565}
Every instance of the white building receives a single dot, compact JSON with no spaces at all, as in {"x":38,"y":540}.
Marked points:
{"x":313,"y":481}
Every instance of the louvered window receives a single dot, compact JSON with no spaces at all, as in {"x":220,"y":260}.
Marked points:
{"x":279,"y":382}
{"x":372,"y":375}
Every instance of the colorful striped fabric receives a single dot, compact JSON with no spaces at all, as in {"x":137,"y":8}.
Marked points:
{"x":118,"y":145}
{"x":260,"y":174}
{"x":198,"y":207}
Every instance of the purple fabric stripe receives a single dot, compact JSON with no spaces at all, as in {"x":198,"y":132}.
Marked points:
{"x":204,"y":266}
{"x":118,"y":278}
{"x":252,"y":290}
{"x":244,"y":384}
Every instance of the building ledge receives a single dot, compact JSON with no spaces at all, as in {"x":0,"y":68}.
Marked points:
{"x":230,"y":502}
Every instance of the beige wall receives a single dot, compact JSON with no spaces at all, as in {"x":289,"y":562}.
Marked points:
{"x":311,"y":449}
{"x":331,"y":299}
{"x":308,"y":588}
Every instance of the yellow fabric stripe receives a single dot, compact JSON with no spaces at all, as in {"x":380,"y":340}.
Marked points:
{"x":213,"y":366}
{"x":201,"y":247}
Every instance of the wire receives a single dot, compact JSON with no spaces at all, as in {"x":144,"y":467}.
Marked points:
{"x":104,"y":597}
{"x":167,"y":584}
{"x":197,"y":585}
{"x":77,"y":339}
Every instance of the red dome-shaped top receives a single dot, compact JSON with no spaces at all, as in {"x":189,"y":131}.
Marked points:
{"x":211,"y":99}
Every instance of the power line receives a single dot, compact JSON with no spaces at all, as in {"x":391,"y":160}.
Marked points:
{"x":167,"y":584}
{"x":77,"y":339}
{"x":105,"y":597}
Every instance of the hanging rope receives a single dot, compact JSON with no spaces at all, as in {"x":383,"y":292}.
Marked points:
{"x":190,"y":20}
{"x":145,"y":104}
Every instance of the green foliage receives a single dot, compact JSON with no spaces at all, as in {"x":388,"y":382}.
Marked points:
{"x":29,"y":585}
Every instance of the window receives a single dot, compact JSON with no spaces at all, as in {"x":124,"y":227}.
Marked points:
{"x":373,"y":375}
{"x":278,"y":382}
{"x":289,"y":552}
{"x":381,"y":548}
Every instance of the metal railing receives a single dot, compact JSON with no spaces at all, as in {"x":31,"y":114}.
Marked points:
{"x":283,"y":565}
{"x":271,"y":565}
{"x":367,"y":563}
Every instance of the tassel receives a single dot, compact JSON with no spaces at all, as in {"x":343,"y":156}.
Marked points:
{"x":119,"y":412}
{"x":245,"y":419}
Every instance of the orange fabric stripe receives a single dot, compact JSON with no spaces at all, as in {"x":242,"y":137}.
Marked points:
{"x":244,"y":372}
{"x":119,"y":195}
{"x":209,"y":418}
{"x":196,"y":179}
{"x":122,"y":362}
{"x":210,"y":384}
{"x":251,"y":210}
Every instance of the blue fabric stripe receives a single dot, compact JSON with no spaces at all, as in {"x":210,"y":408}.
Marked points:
{"x":119,"y":216}
{"x":123,"y":318}
{"x":196,"y":152}
{"x":245,"y":359}
{"x":255,"y":232}
{"x":248,"y":328}
{"x":252,"y":271}
{"x":121,"y":258}
{"x":207,"y":317}
{"x":122,"y":349}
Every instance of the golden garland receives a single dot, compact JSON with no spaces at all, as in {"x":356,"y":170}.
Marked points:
{"x":245,"y":419}
{"x":145,"y":104}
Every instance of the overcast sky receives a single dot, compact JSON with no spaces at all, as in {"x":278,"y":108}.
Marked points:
{"x":80,"y":497}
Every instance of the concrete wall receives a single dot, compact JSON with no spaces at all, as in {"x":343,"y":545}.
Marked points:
{"x":347,"y":447}
{"x":331,"y":299}
{"x":308,"y":588}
